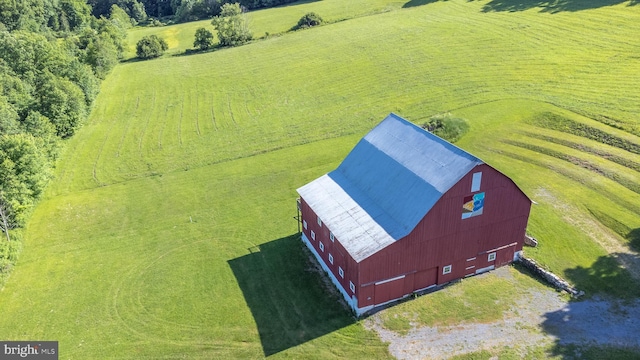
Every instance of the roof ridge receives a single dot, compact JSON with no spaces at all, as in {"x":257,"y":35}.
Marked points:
{"x":432,"y":135}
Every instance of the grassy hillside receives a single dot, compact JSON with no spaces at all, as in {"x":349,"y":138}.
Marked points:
{"x":168,"y":230}
{"x":342,"y":78}
{"x":267,"y":22}
{"x":569,"y":185}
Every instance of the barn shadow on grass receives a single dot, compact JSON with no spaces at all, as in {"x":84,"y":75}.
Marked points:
{"x":286,"y":296}
{"x":552,"y":6}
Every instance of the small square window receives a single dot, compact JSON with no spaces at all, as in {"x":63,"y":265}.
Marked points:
{"x":341,"y":272}
{"x":319,"y":221}
{"x":352,"y":287}
{"x":446,"y":270}
{"x":321,"y":246}
{"x":492,"y":256}
{"x":313,"y":234}
{"x":304,"y":224}
{"x":331,"y":259}
{"x":331,"y":236}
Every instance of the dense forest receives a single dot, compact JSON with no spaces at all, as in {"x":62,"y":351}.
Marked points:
{"x":53,"y":54}
{"x":175,"y":10}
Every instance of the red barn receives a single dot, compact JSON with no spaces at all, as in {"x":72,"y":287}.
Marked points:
{"x":407,"y":210}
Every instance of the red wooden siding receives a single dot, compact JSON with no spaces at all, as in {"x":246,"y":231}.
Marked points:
{"x":341,"y":257}
{"x":389,"y":290}
{"x":425,"y":278}
{"x":443,"y":238}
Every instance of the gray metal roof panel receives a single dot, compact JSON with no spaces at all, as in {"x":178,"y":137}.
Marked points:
{"x":359,"y":233}
{"x":386,"y":185}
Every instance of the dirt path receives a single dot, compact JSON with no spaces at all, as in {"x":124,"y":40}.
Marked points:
{"x":540,"y":317}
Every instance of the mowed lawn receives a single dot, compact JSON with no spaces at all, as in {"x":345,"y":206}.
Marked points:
{"x":266,"y":22}
{"x":168,"y":231}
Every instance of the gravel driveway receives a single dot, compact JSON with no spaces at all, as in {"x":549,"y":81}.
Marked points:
{"x":540,"y":317}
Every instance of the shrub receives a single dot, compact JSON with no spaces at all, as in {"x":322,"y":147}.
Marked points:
{"x":309,"y":20}
{"x":154,"y":23}
{"x":151,"y":47}
{"x":447,"y":127}
{"x":204,"y":39}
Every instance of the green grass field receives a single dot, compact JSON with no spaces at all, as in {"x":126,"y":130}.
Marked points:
{"x":168,"y":230}
{"x":273,"y":22}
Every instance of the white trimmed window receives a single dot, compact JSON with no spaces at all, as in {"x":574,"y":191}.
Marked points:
{"x":446,"y":270}
{"x":319,"y":221}
{"x":331,"y":236}
{"x":352,"y":287}
{"x":304,"y":224}
{"x":331,"y":259}
{"x":492,"y":257}
{"x":321,"y":246}
{"x":341,"y":272}
{"x":313,"y":234}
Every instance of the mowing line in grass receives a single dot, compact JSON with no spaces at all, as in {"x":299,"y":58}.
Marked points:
{"x":163,"y":124}
{"x":602,"y":153}
{"x":95,"y":162}
{"x":144,"y":129}
{"x":127,"y":123}
{"x":585,"y":164}
{"x":568,"y":173}
{"x":213,"y":115}
{"x":618,"y":227}
{"x":233,"y":119}
{"x":197,"y":110}
{"x":557,"y":122}
{"x":180,"y":120}
{"x":246,"y":108}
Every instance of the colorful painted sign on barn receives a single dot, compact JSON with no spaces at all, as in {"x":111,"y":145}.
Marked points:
{"x":473,"y":205}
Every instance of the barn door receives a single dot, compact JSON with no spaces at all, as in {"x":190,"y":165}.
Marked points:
{"x":505,"y":256}
{"x":424,"y":279}
{"x":388,"y":290}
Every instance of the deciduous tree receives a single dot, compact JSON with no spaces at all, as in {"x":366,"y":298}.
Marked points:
{"x":63,"y":102}
{"x":150,"y":47}
{"x":119,"y":17}
{"x":23,"y":174}
{"x":232,"y":26}
{"x":5,"y":217}
{"x":204,"y":39}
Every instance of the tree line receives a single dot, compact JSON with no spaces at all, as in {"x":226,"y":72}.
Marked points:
{"x":176,"y":10}
{"x":53,"y":55}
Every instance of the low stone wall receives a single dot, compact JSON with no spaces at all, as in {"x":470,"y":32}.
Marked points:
{"x":530,"y":241}
{"x":550,"y":277}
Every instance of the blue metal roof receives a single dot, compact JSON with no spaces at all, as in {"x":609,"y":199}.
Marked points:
{"x":386,"y":185}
